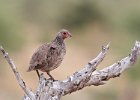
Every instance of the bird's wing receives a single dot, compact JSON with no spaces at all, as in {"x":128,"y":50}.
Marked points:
{"x":38,"y":59}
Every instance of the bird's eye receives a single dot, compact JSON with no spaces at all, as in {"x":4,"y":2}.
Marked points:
{"x":64,"y":33}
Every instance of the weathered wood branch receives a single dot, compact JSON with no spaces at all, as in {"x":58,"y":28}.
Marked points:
{"x":115,"y":69}
{"x":21,"y":82}
{"x":54,"y":90}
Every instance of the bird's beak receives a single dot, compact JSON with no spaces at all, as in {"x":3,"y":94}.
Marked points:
{"x":70,"y":35}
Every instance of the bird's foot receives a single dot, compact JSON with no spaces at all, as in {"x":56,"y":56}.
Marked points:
{"x":51,"y":78}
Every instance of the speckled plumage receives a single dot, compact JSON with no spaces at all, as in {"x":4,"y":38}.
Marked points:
{"x":50,"y":55}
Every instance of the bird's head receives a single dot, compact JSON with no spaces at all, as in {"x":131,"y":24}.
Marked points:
{"x":64,"y":33}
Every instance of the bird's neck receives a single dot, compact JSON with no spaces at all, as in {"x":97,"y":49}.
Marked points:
{"x":59,"y":40}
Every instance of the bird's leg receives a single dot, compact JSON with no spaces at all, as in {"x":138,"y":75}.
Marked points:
{"x":38,"y":74}
{"x":50,"y":76}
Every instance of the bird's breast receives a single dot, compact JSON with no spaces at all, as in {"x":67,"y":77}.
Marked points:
{"x":54,"y":58}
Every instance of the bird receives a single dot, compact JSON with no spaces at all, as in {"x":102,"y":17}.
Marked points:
{"x":49,"y":56}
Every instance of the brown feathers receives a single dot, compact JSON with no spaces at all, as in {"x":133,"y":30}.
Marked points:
{"x":50,"y":55}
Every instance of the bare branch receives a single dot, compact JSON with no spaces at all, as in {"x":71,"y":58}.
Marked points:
{"x":116,"y":69}
{"x":77,"y":80}
{"x":21,"y":82}
{"x":54,"y":90}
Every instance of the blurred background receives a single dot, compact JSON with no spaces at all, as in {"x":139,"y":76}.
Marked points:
{"x":25,"y":24}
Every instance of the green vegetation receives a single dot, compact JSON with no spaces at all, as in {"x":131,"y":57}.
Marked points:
{"x":10,"y":29}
